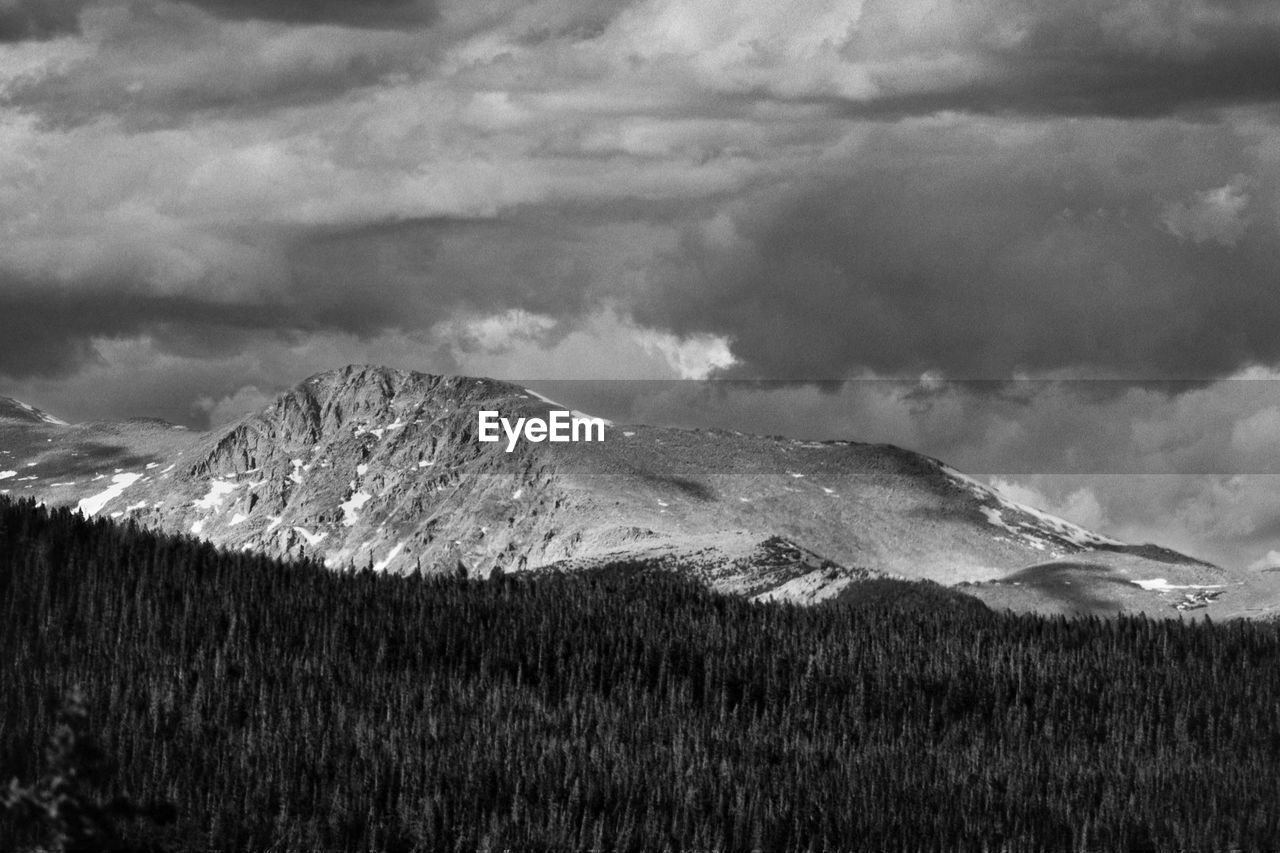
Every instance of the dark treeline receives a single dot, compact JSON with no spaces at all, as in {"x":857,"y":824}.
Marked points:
{"x":287,"y":707}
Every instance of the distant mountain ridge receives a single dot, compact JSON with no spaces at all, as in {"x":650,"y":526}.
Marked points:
{"x":16,"y":410}
{"x":369,"y":466}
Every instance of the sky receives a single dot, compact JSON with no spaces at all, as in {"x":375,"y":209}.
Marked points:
{"x":1055,"y":226}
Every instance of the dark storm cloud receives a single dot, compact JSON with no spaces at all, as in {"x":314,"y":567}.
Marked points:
{"x":352,"y":13}
{"x":21,"y":20}
{"x":1060,"y":81}
{"x":1093,"y":57}
{"x":49,"y":330}
{"x":1035,"y":256}
{"x":361,"y":281}
{"x":168,"y":65}
{"x":427,"y":268}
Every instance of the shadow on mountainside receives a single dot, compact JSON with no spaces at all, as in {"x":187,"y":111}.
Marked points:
{"x":92,"y":458}
{"x":1081,"y":587}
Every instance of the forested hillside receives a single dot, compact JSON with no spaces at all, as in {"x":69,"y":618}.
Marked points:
{"x":288,"y":707}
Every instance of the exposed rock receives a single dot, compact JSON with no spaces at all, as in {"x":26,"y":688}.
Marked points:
{"x":368,"y":466}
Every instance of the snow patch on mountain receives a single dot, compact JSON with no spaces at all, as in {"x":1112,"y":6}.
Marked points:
{"x":978,"y":488}
{"x":1162,"y":585}
{"x":91,"y":506}
{"x":572,"y":412}
{"x":350,"y":508}
{"x":1073,"y":533}
{"x":1034,"y":532}
{"x":44,"y":416}
{"x":313,"y":539}
{"x":384,"y":564}
{"x":218,"y":491}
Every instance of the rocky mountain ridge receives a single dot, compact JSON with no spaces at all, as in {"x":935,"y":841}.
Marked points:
{"x":368,"y":466}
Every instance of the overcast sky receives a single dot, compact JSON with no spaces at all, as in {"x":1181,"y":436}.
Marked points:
{"x":203,"y":202}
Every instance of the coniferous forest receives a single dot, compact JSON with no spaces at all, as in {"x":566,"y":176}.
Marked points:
{"x":257,"y":705}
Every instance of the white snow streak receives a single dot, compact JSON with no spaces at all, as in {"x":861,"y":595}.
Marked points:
{"x":1162,"y":585}
{"x":572,"y":412}
{"x":44,"y":416}
{"x":92,"y":505}
{"x":218,"y":491}
{"x":312,"y":538}
{"x":351,"y":505}
{"x":1048,"y":524}
{"x":381,"y":565}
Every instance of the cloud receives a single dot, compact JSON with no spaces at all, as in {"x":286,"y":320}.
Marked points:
{"x":692,"y":358}
{"x":886,"y":59}
{"x":1258,"y":432}
{"x":981,"y":250}
{"x":229,"y":407}
{"x":1080,"y":506}
{"x":200,"y":199}
{"x":495,"y":333}
{"x":22,"y":20}
{"x":1268,"y":561}
{"x":351,"y":13}
{"x":159,"y":65}
{"x":49,"y":330}
{"x":1216,"y":215}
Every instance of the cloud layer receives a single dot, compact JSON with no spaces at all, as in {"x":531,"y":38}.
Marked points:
{"x":201,"y":202}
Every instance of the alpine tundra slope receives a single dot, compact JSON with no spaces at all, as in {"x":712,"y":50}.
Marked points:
{"x":369,"y":466}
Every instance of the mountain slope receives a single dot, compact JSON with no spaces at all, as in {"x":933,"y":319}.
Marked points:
{"x":16,"y":410}
{"x":371,"y":466}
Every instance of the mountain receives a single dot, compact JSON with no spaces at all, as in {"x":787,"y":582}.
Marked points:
{"x":367,"y":466}
{"x":16,"y":410}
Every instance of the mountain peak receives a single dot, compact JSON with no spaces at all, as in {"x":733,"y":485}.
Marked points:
{"x":379,"y":467}
{"x":16,"y":410}
{"x":394,"y":380}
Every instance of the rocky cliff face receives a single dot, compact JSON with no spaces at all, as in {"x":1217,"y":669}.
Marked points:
{"x":367,"y":466}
